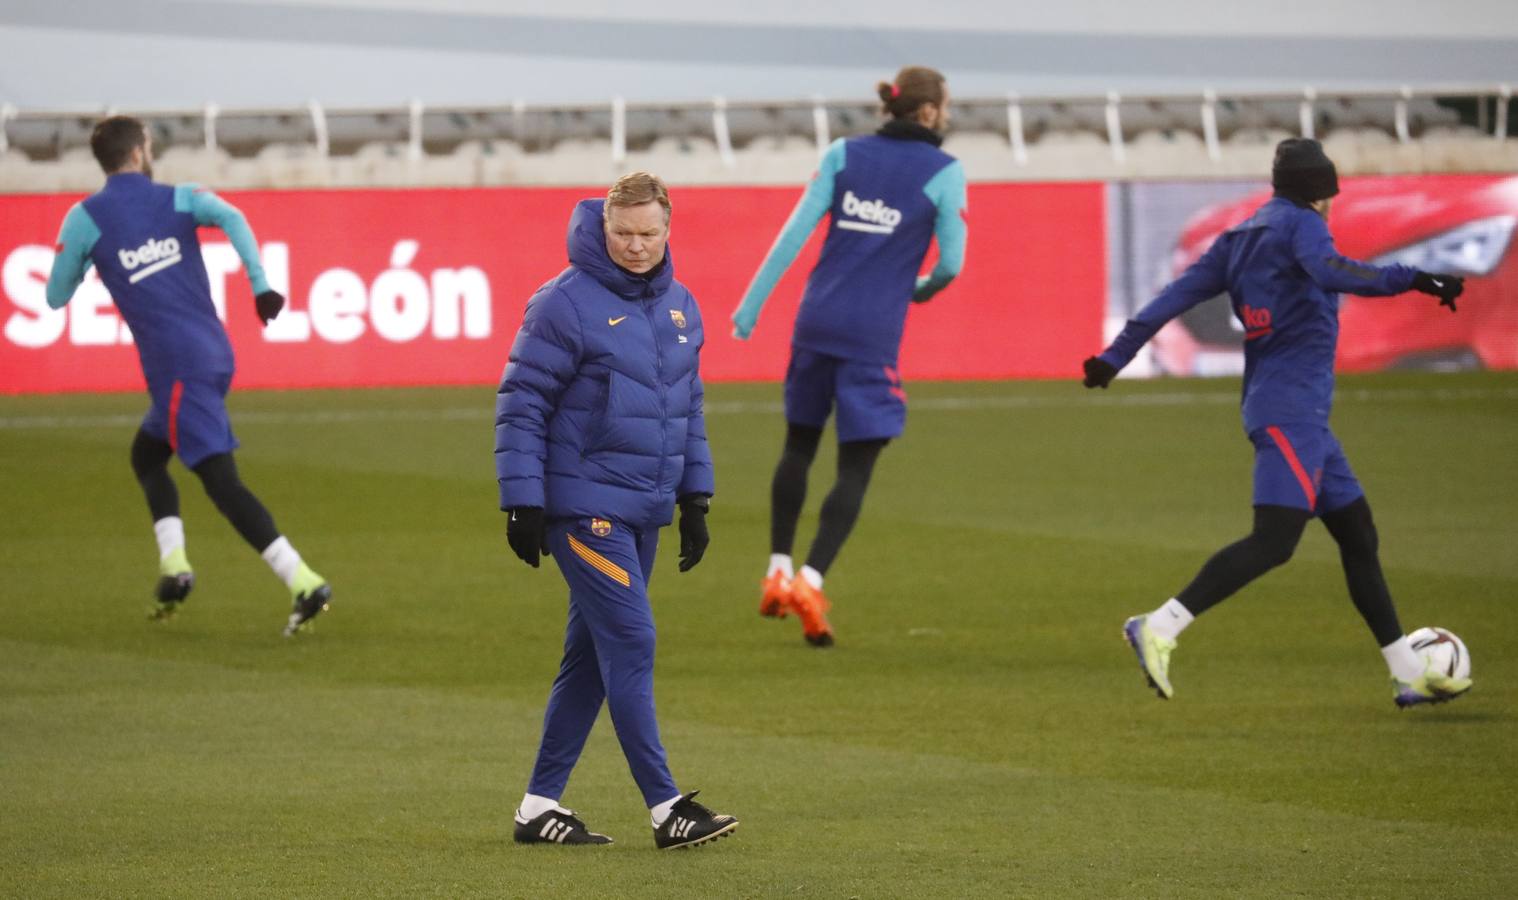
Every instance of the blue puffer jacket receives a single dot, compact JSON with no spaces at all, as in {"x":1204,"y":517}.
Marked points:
{"x":599,"y":409}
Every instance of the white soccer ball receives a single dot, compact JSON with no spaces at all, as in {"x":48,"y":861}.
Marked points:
{"x":1443,"y":650}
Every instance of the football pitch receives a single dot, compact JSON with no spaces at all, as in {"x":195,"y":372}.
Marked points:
{"x":980,"y":729}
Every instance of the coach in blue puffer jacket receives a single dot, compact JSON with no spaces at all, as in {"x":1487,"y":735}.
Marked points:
{"x":599,"y":433}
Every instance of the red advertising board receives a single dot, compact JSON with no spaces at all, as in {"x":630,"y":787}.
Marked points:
{"x":422,"y":287}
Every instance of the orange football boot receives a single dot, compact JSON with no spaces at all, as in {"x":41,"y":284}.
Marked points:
{"x":775,"y":602}
{"x":811,"y":606}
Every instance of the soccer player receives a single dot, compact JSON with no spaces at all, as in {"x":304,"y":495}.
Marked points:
{"x":599,"y":435}
{"x":140,"y":236}
{"x":1283,"y":278}
{"x":889,"y":194}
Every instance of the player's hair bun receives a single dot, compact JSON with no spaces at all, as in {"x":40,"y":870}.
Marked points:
{"x":914,"y":86}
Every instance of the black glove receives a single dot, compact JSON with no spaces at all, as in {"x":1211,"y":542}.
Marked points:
{"x":1099,"y":372}
{"x":524,"y":532}
{"x":269,"y":304}
{"x":1445,"y":287}
{"x":693,"y":534}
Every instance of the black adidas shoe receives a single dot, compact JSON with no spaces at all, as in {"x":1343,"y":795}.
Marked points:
{"x":170,"y":592}
{"x":690,"y":824}
{"x":557,"y":826}
{"x":306,"y":606}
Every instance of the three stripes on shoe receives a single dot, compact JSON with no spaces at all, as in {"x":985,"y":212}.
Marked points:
{"x":554,"y":830}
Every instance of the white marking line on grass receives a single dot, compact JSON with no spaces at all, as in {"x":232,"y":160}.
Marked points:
{"x":731,"y":407}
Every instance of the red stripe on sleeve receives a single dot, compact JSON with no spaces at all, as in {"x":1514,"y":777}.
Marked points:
{"x":1296,"y":465}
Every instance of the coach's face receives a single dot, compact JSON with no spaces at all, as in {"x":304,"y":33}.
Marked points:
{"x":636,"y":235}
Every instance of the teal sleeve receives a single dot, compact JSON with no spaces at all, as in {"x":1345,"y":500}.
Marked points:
{"x":815,"y":203}
{"x":949,"y":194}
{"x":76,"y":239}
{"x":209,"y":209}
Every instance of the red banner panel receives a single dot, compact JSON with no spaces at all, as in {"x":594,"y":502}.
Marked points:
{"x":422,"y":287}
{"x":1456,"y":224}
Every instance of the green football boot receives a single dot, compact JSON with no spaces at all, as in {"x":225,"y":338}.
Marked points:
{"x":1430,"y":687}
{"x":309,"y":595}
{"x":175,"y":580}
{"x":1153,"y":654}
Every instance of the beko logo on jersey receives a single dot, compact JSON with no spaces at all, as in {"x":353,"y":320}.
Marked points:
{"x":873,"y":216}
{"x":156,"y":255}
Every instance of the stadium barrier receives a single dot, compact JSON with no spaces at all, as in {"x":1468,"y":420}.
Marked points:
{"x":1082,"y":137}
{"x":427,"y":287}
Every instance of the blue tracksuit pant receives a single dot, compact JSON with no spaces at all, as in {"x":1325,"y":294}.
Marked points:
{"x":608,"y":654}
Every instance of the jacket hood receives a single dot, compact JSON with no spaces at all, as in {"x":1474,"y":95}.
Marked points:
{"x":587,"y":252}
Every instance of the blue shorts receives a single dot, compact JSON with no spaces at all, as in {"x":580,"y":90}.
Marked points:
{"x":191,"y":415}
{"x":1303,"y":467}
{"x":871,"y":403}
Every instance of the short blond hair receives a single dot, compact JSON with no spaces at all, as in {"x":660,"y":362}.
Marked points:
{"x":638,"y":188}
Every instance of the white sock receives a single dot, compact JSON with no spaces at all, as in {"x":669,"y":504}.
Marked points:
{"x":1402,"y":661}
{"x":661,"y":812}
{"x":534,"y":806}
{"x":812,"y":576}
{"x":283,"y":559}
{"x":170,"y":533}
{"x":781,"y":562}
{"x":1170,"y":619}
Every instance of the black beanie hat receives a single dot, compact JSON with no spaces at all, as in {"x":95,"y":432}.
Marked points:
{"x":1303,"y":172}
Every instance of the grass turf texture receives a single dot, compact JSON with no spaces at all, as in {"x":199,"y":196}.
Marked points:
{"x":981,"y":729}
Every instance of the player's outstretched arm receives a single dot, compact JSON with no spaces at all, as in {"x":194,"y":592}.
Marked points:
{"x":949,"y":194}
{"x":209,"y":209}
{"x":814,"y":204}
{"x":71,"y":259}
{"x":1313,"y":247}
{"x":1203,"y":280}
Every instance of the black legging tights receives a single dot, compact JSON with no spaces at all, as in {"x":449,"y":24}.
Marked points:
{"x":218,"y":475}
{"x":1277,"y":529}
{"x":840,"y":510}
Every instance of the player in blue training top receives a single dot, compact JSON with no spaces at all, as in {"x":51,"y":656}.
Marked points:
{"x":1283,"y":278}
{"x":141,"y":238}
{"x":889,"y":194}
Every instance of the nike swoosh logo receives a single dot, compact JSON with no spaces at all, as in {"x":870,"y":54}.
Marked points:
{"x":615,"y":321}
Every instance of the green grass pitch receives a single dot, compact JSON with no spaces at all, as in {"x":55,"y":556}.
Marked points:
{"x":980,"y":729}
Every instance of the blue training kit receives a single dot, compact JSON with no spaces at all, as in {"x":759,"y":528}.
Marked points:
{"x":141,"y":237}
{"x":1303,"y":467}
{"x":599,"y":421}
{"x":608,"y":655}
{"x":870,"y":400}
{"x":888,"y":195}
{"x":1283,"y":277}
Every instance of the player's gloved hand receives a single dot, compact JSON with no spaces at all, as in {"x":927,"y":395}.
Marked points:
{"x":922,"y":292}
{"x":1445,"y":287}
{"x":524,"y":532}
{"x":693,"y":534}
{"x":1099,"y":372}
{"x":269,"y":304}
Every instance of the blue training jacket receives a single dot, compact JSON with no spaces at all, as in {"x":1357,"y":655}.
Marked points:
{"x":140,"y":236}
{"x":599,"y":409}
{"x":889,"y":195}
{"x":1283,"y":278}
